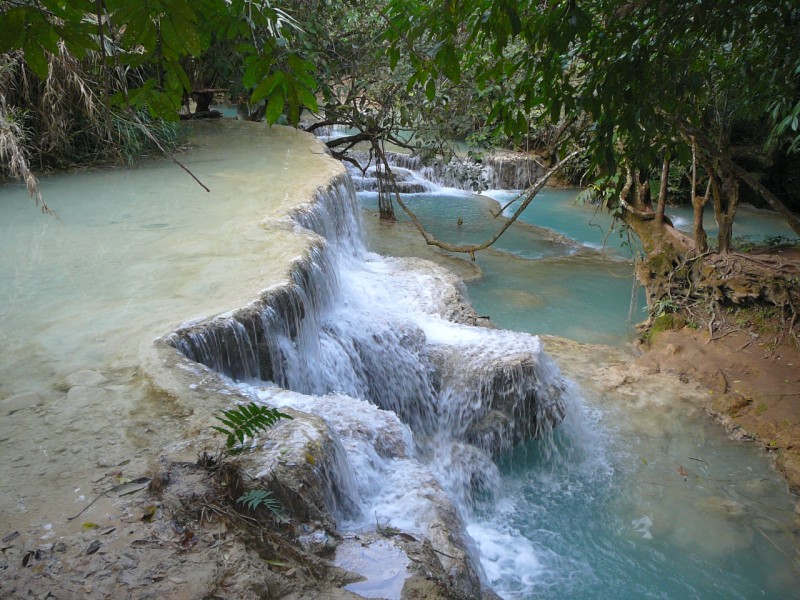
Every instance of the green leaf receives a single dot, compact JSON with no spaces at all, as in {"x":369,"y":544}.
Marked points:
{"x":266,"y":86}
{"x":306,"y":96}
{"x":430,"y":90}
{"x":274,"y":106}
{"x":12,"y":28}
{"x":450,"y":64}
{"x":188,"y":33}
{"x":253,"y":499}
{"x":247,"y":420}
{"x":36,"y":59}
{"x":257,"y":69}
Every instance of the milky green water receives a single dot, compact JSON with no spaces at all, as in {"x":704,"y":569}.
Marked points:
{"x":537,"y":279}
{"x":130,"y":254}
{"x":638,"y":494}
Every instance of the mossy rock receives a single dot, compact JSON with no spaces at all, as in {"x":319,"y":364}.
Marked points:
{"x":667,"y":322}
{"x":730,"y":404}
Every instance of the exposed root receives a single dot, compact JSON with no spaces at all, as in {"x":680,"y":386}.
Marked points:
{"x":725,"y":294}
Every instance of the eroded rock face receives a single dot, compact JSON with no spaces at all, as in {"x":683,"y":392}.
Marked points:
{"x":507,"y":399}
{"x":304,"y":467}
{"x":513,"y":171}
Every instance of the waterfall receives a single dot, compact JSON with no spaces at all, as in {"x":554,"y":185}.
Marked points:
{"x":418,"y":403}
{"x":412,"y":176}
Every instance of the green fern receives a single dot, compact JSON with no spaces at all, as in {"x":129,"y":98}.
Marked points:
{"x":255,"y":498}
{"x":247,"y":420}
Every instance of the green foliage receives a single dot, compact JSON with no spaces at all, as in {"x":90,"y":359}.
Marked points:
{"x":257,"y":498}
{"x":625,"y":78}
{"x":664,"y":306}
{"x":133,"y":142}
{"x":154,"y":42}
{"x":247,"y":420}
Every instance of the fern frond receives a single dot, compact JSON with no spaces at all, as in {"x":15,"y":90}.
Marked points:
{"x":255,"y":498}
{"x":247,"y":420}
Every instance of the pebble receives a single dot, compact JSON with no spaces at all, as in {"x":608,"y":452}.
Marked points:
{"x":93,"y":547}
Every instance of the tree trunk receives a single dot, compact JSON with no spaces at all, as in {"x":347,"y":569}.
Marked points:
{"x":662,"y":193}
{"x":700,"y":237}
{"x":698,"y":206}
{"x":385,"y":204}
{"x":726,"y":199}
{"x":730,"y":195}
{"x":644,"y":200}
{"x":386,"y":208}
{"x":739,"y":172}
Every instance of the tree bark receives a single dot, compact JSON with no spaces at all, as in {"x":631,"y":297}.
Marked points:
{"x":700,"y":237}
{"x":698,"y":206}
{"x":727,"y":164}
{"x":386,"y":184}
{"x":725,"y":196}
{"x":644,"y":199}
{"x":662,"y":194}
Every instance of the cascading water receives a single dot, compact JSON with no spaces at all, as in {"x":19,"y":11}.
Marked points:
{"x":420,"y":403}
{"x":637,"y":496}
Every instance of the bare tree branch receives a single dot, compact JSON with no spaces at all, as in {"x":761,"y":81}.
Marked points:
{"x":471,"y":249}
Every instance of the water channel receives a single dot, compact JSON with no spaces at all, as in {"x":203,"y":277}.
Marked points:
{"x":631,"y":496}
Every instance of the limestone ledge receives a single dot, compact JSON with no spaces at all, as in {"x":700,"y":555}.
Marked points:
{"x":296,"y":460}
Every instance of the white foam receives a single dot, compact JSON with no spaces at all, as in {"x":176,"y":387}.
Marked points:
{"x":509,"y":559}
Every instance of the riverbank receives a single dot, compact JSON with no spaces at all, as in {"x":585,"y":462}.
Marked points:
{"x":753,"y":385}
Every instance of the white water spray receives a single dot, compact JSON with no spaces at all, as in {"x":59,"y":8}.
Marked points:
{"x":419,"y":403}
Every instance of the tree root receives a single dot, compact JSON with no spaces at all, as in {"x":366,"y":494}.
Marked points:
{"x":708,"y":289}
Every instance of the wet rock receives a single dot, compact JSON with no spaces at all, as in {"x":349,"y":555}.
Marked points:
{"x":315,"y":541}
{"x":508,"y":396}
{"x":468,"y":473}
{"x":491,"y":431}
{"x":451,"y":544}
{"x":303,"y":466}
{"x":85,"y":377}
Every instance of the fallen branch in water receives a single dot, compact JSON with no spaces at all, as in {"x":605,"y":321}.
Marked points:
{"x":471,"y":249}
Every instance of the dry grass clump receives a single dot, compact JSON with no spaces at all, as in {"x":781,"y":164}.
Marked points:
{"x":66,"y":120}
